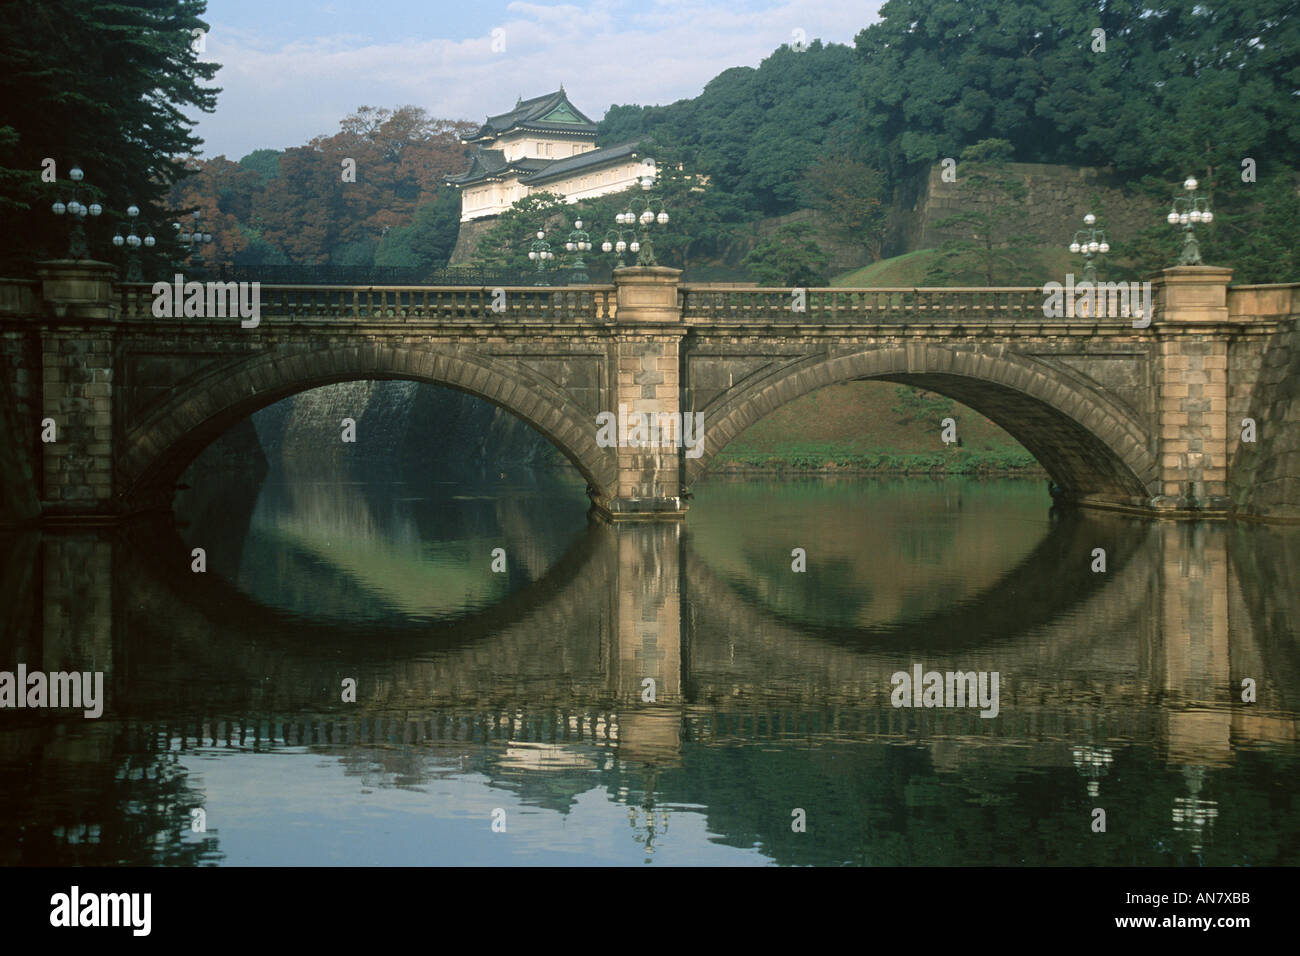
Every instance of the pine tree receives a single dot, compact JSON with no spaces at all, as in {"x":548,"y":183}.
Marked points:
{"x":989,"y":244}
{"x":102,"y":86}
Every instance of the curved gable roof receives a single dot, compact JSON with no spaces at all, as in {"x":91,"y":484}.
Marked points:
{"x":549,"y":113}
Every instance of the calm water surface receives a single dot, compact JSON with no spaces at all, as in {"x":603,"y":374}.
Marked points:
{"x":518,"y":695}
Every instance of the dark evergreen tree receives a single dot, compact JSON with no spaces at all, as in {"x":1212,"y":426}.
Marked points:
{"x":753,"y":131}
{"x":789,"y":258}
{"x":103,"y":86}
{"x":988,"y":245}
{"x":427,"y":243}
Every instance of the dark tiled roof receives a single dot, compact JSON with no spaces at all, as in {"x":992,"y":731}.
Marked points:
{"x":487,"y":163}
{"x":490,"y":163}
{"x":572,"y":164}
{"x":552,"y":112}
{"x":482,"y":163}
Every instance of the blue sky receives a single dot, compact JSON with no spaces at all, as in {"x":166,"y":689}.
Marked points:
{"x":291,"y":69}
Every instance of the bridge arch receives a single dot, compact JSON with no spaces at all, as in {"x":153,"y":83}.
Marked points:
{"x":1092,"y":447}
{"x":164,"y":441}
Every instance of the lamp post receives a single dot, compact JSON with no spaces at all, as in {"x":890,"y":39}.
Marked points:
{"x":541,"y":254}
{"x":195,"y":240}
{"x":651,"y":211}
{"x":133,"y":243}
{"x":1090,"y":242}
{"x":1188,"y":211}
{"x":579,"y":242}
{"x":77,"y":211}
{"x":616,"y":240}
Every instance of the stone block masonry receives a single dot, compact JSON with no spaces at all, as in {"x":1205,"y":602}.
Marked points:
{"x":1056,"y":199}
{"x":1140,"y":420}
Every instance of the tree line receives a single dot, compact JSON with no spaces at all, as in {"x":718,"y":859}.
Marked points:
{"x":370,"y":194}
{"x":1156,"y":91}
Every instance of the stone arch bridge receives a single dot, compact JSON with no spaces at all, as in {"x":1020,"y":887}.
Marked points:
{"x":1137,"y":419}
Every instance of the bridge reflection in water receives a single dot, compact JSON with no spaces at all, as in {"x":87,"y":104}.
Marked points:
{"x":1119,"y":690}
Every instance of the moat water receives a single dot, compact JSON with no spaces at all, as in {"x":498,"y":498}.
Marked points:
{"x":504,"y":716}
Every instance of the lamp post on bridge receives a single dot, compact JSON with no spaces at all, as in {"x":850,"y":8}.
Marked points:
{"x":652,"y":211}
{"x":1188,"y":211}
{"x":579,"y":242}
{"x":195,"y":240}
{"x":1090,"y":242}
{"x":616,"y":241}
{"x":541,"y":254}
{"x":133,"y":243}
{"x":77,"y":211}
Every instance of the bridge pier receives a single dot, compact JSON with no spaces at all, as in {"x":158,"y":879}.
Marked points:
{"x":648,"y":361}
{"x":76,"y":350}
{"x":1193,"y":333}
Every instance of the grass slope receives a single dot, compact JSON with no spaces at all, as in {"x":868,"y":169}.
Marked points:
{"x":856,"y":427}
{"x":908,"y":271}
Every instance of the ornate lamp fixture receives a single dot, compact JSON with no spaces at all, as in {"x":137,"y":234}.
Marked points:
{"x":77,"y":211}
{"x":133,"y":243}
{"x":195,"y":240}
{"x":541,"y":253}
{"x":651,"y":211}
{"x":616,"y":240}
{"x":579,"y":242}
{"x":1090,"y":242}
{"x":1187,"y":212}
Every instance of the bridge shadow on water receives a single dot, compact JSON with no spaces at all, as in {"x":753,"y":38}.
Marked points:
{"x":771,"y":688}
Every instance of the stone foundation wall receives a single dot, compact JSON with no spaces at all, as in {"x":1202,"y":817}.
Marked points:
{"x":1057,"y":199}
{"x":1266,"y":474}
{"x":467,"y":240}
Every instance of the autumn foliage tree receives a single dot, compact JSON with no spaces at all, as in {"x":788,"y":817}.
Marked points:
{"x":334,"y":199}
{"x":223,"y":193}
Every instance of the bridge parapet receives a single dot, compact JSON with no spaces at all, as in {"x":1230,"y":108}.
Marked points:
{"x":593,"y":304}
{"x":113,"y":400}
{"x":1272,"y":301}
{"x":868,"y":306}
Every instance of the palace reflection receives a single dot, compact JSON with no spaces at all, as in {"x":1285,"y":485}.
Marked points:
{"x":1120,"y":690}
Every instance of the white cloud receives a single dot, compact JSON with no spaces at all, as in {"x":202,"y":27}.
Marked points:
{"x":663,"y":51}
